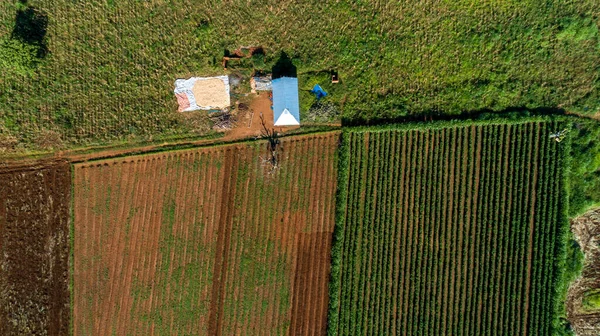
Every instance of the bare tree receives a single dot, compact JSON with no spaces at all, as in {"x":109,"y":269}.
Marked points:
{"x":274,"y":145}
{"x":223,"y":121}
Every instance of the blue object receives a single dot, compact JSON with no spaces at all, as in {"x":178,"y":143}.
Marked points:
{"x":318,"y":91}
{"x":286,"y":107}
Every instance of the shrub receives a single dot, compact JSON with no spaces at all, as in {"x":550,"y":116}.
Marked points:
{"x":584,"y":173}
{"x":18,"y":57}
{"x":591,"y":300}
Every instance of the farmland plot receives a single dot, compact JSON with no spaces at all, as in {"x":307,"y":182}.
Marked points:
{"x":449,"y":231}
{"x":34,"y":249}
{"x":205,"y":241}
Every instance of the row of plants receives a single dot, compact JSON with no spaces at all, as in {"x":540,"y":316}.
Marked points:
{"x":422,"y":246}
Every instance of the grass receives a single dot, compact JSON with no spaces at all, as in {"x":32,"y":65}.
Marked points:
{"x":109,"y":71}
{"x":591,"y":300}
{"x":584,"y":172}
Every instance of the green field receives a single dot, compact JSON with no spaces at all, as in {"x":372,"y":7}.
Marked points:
{"x":453,"y":229}
{"x":109,"y":65}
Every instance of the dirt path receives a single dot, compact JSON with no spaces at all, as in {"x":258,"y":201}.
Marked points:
{"x":249,"y":122}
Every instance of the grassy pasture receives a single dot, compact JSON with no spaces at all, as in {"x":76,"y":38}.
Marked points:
{"x":110,"y":66}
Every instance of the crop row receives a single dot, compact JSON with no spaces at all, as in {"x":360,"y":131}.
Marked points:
{"x":449,"y":230}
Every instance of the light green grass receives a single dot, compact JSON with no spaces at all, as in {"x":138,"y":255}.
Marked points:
{"x":110,"y":71}
{"x":591,"y":300}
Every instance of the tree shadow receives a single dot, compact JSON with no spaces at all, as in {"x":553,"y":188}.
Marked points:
{"x":284,"y":67}
{"x":516,"y":112}
{"x":31,"y":26}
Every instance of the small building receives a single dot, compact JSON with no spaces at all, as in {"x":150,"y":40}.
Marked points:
{"x":286,"y":107}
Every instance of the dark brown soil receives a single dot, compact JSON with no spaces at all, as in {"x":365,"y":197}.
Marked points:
{"x":34,"y":249}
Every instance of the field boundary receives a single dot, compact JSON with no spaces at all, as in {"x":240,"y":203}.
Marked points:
{"x":72,"y":252}
{"x":338,"y":235}
{"x":445,"y":124}
{"x":170,"y":152}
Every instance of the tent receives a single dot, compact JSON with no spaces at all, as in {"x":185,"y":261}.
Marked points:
{"x":286,"y":107}
{"x":318,"y":91}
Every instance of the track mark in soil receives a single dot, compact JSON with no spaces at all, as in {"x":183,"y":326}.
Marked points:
{"x":215,"y":320}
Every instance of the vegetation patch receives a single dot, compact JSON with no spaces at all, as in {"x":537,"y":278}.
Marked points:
{"x":451,"y":228}
{"x":393,"y":60}
{"x":591,"y":300}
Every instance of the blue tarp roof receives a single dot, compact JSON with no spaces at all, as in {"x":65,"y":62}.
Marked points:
{"x":285,"y":97}
{"x":318,"y":91}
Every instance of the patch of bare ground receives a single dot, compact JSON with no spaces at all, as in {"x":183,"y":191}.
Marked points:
{"x":34,"y":249}
{"x":587,"y":232}
{"x":249,"y":123}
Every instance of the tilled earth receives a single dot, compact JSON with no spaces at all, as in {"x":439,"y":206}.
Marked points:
{"x":34,"y":249}
{"x":587,"y":231}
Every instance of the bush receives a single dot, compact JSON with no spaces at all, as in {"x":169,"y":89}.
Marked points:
{"x":258,"y":61}
{"x":591,"y":300}
{"x":584,"y":172}
{"x":18,"y":57}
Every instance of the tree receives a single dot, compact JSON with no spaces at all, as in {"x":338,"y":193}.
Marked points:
{"x":273,"y":143}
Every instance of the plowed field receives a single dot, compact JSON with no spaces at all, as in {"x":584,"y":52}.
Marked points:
{"x":34,"y":250}
{"x":206,"y":241}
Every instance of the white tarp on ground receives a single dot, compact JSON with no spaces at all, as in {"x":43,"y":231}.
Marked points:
{"x":261,"y":83}
{"x":202,"y":93}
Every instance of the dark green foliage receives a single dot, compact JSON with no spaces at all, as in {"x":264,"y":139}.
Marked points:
{"x":30,"y":28}
{"x":258,"y":61}
{"x":452,"y":228}
{"x":584,"y":172}
{"x":338,"y":236}
{"x":22,"y":51}
{"x":17,"y":57}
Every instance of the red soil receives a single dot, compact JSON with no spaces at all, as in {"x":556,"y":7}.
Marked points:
{"x":144,"y":223}
{"x":249,"y":124}
{"x":309,"y":307}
